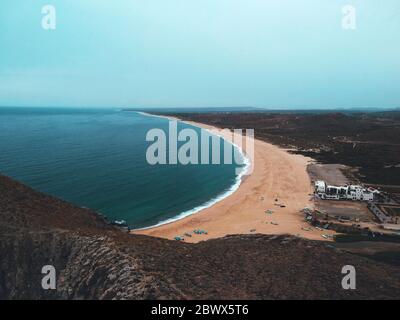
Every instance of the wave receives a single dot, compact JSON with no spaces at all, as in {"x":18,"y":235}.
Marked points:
{"x":218,"y":198}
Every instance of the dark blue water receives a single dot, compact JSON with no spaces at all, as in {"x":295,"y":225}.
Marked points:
{"x":97,"y":159}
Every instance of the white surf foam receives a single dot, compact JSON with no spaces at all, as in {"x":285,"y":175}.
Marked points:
{"x":218,"y":198}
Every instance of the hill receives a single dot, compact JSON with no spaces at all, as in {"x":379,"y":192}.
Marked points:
{"x":95,"y":260}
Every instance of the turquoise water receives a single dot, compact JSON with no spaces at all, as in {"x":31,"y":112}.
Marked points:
{"x":97,"y":159}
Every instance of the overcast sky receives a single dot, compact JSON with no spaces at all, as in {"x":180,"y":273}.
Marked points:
{"x":193,"y":53}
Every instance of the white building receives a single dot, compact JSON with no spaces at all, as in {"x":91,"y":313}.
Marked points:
{"x":352,"y":192}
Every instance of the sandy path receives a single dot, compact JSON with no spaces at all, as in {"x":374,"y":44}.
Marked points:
{"x":278,"y":175}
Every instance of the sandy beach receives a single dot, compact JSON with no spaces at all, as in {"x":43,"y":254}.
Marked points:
{"x":278,"y":178}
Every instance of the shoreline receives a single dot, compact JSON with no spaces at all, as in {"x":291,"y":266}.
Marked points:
{"x":221,"y":196}
{"x":278,"y":178}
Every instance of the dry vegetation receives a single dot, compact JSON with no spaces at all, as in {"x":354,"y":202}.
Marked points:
{"x":95,"y":260}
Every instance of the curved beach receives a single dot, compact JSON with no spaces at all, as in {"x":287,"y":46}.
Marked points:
{"x":278,"y":178}
{"x":238,"y":180}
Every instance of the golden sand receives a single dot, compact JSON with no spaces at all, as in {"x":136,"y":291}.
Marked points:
{"x":279,"y":178}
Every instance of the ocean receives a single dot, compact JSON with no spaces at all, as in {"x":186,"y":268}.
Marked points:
{"x":96,"y":158}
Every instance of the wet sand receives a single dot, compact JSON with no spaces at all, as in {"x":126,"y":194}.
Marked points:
{"x":278,"y":178}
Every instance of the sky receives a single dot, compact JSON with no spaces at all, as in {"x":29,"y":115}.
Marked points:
{"x":200,"y":53}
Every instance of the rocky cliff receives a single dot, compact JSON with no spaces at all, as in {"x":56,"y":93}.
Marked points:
{"x":94,"y":260}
